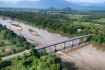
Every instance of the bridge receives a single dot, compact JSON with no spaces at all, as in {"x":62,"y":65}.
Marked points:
{"x":64,"y":42}
{"x":50,"y":45}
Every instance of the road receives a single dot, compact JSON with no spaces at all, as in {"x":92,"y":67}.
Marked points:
{"x":14,"y":55}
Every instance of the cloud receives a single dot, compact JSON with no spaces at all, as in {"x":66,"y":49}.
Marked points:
{"x":89,"y":1}
{"x":16,"y":0}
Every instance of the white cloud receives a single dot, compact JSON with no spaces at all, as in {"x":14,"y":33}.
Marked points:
{"x":89,"y":1}
{"x":16,"y":0}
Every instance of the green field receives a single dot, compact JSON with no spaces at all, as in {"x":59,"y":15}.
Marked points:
{"x":76,"y":16}
{"x":101,"y":20}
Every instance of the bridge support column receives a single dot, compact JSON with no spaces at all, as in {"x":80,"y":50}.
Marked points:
{"x":78,"y":41}
{"x":85,"y":39}
{"x":44,"y":49}
{"x":55,"y":49}
{"x":64,"y":45}
{"x":72,"y":43}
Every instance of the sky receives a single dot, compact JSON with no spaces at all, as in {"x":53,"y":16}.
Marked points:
{"x":89,"y":1}
{"x":16,"y":0}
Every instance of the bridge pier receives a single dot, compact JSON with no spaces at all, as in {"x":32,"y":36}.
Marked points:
{"x":55,"y":49}
{"x":64,"y":45}
{"x":85,"y":39}
{"x":44,"y":49}
{"x":72,"y":43}
{"x":78,"y":41}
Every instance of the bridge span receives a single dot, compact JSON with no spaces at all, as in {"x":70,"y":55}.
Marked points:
{"x":50,"y":45}
{"x":64,"y":42}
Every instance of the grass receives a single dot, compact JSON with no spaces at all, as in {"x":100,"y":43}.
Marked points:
{"x":86,"y":23}
{"x":83,"y":23}
{"x":16,"y":25}
{"x":100,"y":20}
{"x":61,"y":20}
{"x":31,"y":30}
{"x":8,"y":45}
{"x":76,"y":16}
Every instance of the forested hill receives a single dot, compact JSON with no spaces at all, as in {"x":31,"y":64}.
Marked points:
{"x":87,"y":22}
{"x":33,"y":61}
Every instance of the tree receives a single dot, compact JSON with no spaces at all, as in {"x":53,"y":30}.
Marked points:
{"x":24,"y":55}
{"x":42,"y":53}
{"x":2,"y":43}
{"x":33,"y":52}
{"x":3,"y":50}
{"x":13,"y":51}
{"x":0,"y":59}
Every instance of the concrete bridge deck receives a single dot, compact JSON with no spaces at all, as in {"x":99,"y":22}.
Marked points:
{"x":46,"y":46}
{"x":54,"y":44}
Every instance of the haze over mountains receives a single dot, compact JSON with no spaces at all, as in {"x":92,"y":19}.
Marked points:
{"x":59,"y":4}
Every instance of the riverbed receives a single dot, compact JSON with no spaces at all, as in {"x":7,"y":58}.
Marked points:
{"x":44,"y":36}
{"x":93,"y":54}
{"x":89,"y":57}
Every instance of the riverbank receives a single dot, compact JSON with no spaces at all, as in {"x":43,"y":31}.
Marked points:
{"x":40,"y":27}
{"x":87,"y":58}
{"x":33,"y":32}
{"x":16,"y":27}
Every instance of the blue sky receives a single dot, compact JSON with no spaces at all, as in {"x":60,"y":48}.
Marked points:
{"x":16,"y":0}
{"x":89,"y":1}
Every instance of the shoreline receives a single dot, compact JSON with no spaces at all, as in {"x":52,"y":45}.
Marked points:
{"x":33,"y":32}
{"x":49,"y":30}
{"x":16,"y":28}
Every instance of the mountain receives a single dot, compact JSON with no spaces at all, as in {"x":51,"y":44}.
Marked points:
{"x":58,"y":4}
{"x":93,"y":8}
{"x":42,"y":4}
{"x":67,"y":9}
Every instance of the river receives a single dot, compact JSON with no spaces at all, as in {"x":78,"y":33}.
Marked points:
{"x":94,"y":52}
{"x":45,"y":36}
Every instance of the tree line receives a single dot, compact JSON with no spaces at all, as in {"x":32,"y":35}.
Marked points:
{"x":20,"y":43}
{"x":62,"y":23}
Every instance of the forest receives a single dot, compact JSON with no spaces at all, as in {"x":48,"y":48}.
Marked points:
{"x":11,"y":43}
{"x":75,"y":23}
{"x":33,"y":61}
{"x":90,"y":22}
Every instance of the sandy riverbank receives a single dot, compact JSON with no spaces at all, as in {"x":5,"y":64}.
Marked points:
{"x":88,"y":58}
{"x":16,"y":27}
{"x":34,"y":33}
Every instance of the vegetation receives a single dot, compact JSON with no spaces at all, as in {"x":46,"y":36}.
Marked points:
{"x":31,"y":30}
{"x":91,"y":22}
{"x":2,"y":43}
{"x":11,"y":43}
{"x":66,"y":22}
{"x":32,"y":61}
{"x":16,"y":25}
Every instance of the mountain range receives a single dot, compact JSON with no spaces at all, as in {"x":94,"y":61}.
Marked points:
{"x":58,"y":4}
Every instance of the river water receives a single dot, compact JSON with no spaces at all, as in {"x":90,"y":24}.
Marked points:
{"x":45,"y":36}
{"x":95,"y":52}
